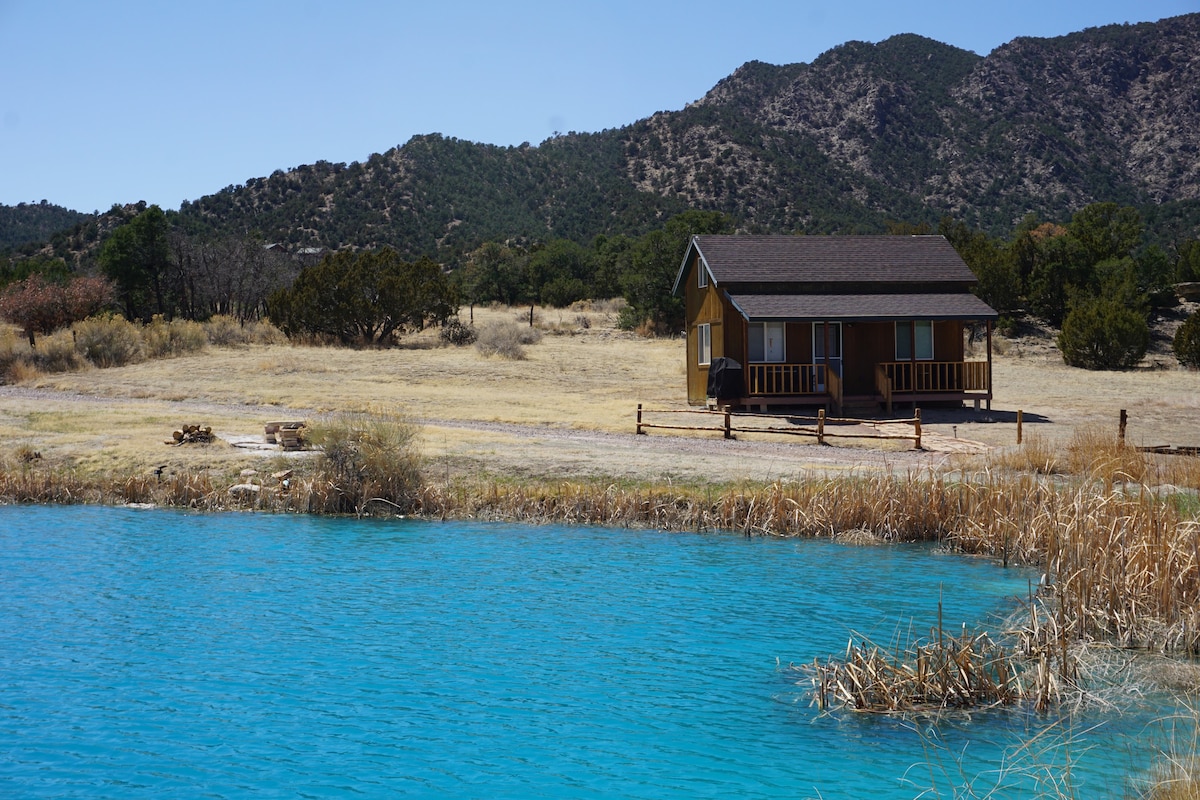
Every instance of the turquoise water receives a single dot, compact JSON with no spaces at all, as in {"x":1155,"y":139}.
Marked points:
{"x":154,"y":653}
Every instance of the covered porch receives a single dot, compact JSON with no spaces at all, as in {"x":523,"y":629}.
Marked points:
{"x":896,"y":382}
{"x":874,"y":354}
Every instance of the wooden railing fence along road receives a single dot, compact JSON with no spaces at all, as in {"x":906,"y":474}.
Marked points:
{"x":732,"y":423}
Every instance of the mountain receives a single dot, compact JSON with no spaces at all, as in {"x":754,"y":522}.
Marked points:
{"x":909,"y":130}
{"x":27,"y":223}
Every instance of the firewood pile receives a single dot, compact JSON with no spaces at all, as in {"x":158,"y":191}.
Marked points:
{"x":192,"y":434}
{"x":288,"y":435}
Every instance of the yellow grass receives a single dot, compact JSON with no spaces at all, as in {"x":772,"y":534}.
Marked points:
{"x":588,"y":380}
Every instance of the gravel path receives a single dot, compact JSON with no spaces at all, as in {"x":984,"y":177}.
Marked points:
{"x":560,"y":451}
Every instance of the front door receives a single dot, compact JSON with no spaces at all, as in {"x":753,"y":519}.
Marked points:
{"x":834,"y":338}
{"x":766,"y":342}
{"x":773,"y":342}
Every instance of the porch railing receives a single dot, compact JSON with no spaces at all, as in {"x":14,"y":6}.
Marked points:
{"x":883,"y":386}
{"x":936,"y":376}
{"x":785,"y":379}
{"x":834,"y":389}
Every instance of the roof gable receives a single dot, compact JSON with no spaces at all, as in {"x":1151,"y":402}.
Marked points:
{"x":762,"y":260}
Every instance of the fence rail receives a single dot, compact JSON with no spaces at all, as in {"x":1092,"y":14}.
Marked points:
{"x":734,"y":423}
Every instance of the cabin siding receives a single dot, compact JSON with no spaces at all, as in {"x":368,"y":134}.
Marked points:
{"x":865,"y":344}
{"x":703,"y":305}
{"x":948,"y":340}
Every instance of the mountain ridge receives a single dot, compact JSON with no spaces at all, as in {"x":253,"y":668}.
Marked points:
{"x":908,"y":129}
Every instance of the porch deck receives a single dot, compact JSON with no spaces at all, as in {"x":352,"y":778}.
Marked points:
{"x":813,"y":384}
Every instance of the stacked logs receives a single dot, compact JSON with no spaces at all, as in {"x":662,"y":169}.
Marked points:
{"x":192,"y":434}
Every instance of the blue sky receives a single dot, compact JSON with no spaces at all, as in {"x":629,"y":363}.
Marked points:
{"x":166,"y":101}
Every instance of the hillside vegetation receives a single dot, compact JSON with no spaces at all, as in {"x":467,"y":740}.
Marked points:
{"x":908,"y":129}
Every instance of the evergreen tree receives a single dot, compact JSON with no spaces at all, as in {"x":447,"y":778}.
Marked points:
{"x":136,"y":258}
{"x":366,"y":298}
{"x":1101,"y":333}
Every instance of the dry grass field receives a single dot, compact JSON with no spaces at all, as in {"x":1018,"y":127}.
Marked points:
{"x":566,"y":410}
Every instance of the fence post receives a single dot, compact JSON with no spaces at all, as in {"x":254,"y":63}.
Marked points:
{"x":728,"y":431}
{"x":1020,"y":420}
{"x":639,"y":424}
{"x":917,"y":426}
{"x":1121,"y":432}
{"x":820,"y":426}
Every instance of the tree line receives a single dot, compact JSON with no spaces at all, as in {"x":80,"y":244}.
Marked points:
{"x":1094,"y":277}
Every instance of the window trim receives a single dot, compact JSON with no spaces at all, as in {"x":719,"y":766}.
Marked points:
{"x":913,"y":339}
{"x":761,"y":328}
{"x":701,"y":275}
{"x":835,"y":339}
{"x":704,"y":344}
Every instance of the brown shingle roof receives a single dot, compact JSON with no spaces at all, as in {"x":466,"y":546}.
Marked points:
{"x":861,"y":307}
{"x":831,"y":259}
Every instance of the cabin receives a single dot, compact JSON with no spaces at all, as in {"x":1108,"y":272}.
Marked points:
{"x":834,"y":321}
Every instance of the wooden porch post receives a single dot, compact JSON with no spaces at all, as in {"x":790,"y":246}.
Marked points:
{"x":745,"y":357}
{"x":989,"y":366}
{"x":912,"y":361}
{"x":825,"y":334}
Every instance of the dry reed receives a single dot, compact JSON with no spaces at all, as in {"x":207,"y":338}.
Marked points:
{"x":944,"y":672}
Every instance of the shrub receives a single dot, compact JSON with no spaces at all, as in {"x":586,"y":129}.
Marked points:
{"x":108,"y":340}
{"x":226,"y":331}
{"x":368,"y":456}
{"x":528,"y":335}
{"x":1102,"y":334}
{"x":223,"y":330}
{"x":57,"y":353}
{"x":261,"y":331}
{"x":456,"y":333}
{"x":13,"y":349}
{"x":163,"y":339}
{"x":506,"y":339}
{"x":54,"y":353}
{"x":1186,"y":343}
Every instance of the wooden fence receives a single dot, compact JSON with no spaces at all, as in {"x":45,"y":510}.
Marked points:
{"x":1158,"y":449}
{"x":822,"y":427}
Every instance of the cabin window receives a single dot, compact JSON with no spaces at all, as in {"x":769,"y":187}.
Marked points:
{"x":923,"y":340}
{"x":701,"y":275}
{"x":704,"y":344}
{"x":766,"y":342}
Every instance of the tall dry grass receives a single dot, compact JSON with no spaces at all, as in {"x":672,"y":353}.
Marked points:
{"x":365,"y":458}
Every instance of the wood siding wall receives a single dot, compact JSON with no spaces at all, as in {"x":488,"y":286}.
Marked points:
{"x":703,"y":305}
{"x":865,"y":344}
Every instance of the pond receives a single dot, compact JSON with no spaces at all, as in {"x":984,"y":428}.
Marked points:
{"x":150,"y":653}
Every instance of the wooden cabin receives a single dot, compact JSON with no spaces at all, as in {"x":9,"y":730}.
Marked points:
{"x":834,"y":321}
